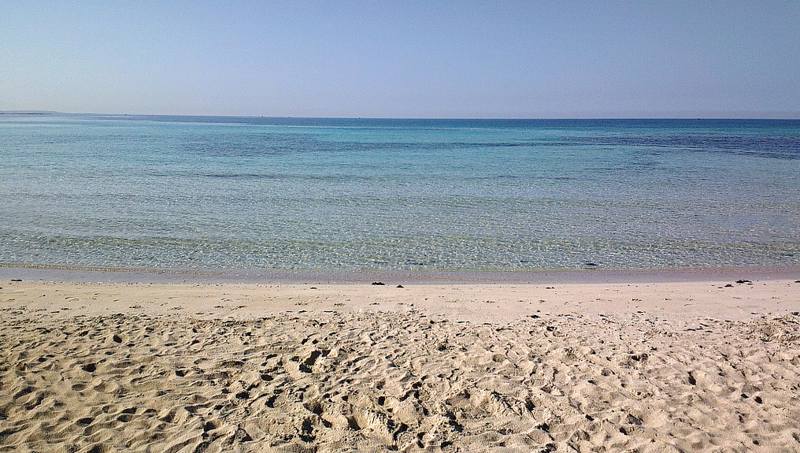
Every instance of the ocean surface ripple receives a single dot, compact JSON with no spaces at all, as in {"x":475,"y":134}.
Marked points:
{"x":226,"y":193}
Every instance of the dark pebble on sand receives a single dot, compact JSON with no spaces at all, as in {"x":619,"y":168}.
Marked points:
{"x":729,"y":285}
{"x":399,"y":286}
{"x":16,"y":279}
{"x":758,"y":400}
{"x":378,"y":283}
{"x":743,"y":281}
{"x":116,"y":339}
{"x":634,"y":420}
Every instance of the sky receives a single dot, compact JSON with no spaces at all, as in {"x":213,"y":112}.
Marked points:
{"x":404,"y":58}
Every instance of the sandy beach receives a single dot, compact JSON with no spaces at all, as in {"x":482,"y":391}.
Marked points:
{"x":670,"y":366}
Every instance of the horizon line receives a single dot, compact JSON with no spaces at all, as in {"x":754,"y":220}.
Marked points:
{"x":789,"y":116}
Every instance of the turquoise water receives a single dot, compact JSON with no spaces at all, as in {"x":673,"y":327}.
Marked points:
{"x":315,"y":194}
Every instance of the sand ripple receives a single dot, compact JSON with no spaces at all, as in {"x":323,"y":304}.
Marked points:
{"x":395,"y":381}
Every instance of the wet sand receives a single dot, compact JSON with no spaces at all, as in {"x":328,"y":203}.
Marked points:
{"x":667,"y":366}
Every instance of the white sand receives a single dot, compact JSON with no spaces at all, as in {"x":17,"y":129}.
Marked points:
{"x":170,"y":367}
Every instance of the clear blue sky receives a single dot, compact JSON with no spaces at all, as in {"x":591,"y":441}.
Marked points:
{"x":403,"y":58}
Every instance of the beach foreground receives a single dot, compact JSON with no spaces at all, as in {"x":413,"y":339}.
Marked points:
{"x":181,"y":367}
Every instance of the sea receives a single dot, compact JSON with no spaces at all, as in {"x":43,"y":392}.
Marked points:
{"x":229,"y":194}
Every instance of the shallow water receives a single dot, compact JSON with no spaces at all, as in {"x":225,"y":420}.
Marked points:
{"x":439,"y":195}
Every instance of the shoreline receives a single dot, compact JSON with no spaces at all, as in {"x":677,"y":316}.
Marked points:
{"x":497,"y":303}
{"x":588,"y":275}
